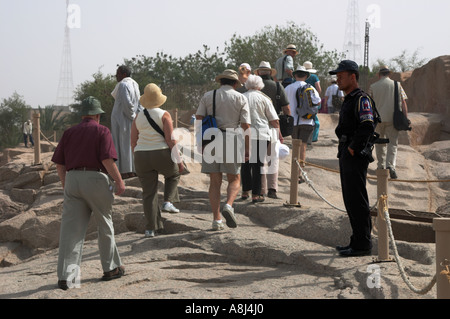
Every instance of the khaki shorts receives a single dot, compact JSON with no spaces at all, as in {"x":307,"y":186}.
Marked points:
{"x":228,"y":162}
{"x":302,"y":132}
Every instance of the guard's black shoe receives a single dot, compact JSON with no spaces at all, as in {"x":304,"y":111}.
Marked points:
{"x":355,"y":253}
{"x":340,"y":248}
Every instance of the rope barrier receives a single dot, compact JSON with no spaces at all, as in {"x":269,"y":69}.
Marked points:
{"x":187,"y":125}
{"x":374,"y":177}
{"x":309,"y":183}
{"x":386,"y":217}
{"x":47,"y":139}
{"x":428,"y":287}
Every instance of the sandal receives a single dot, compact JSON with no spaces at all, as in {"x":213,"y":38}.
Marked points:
{"x":258,"y":199}
{"x":114,"y":274}
{"x":245,"y":196}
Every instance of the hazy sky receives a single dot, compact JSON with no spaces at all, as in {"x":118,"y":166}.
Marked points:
{"x":105,"y":32}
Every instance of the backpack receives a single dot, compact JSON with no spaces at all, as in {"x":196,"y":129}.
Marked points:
{"x":305,"y":107}
{"x":336,"y":101}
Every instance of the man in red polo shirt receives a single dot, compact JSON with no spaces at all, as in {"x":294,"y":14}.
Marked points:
{"x":84,"y":157}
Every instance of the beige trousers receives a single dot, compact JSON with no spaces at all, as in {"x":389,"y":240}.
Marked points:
{"x":387,"y":153}
{"x":86,"y":193}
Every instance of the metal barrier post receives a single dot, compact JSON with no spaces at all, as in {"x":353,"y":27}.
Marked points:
{"x":442,"y":228}
{"x":37,"y":138}
{"x":295,"y":171}
{"x":383,"y":236}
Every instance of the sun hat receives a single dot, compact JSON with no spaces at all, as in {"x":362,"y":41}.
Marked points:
{"x":245,"y":66}
{"x":291,"y":47}
{"x":152,"y":97}
{"x":228,"y":74}
{"x":91,"y":106}
{"x":301,"y":68}
{"x":309,"y":67}
{"x":346,"y":65}
{"x":384,"y":69}
{"x":265,"y":66}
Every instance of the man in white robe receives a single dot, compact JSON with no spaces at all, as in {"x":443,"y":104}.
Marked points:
{"x":126,"y":106}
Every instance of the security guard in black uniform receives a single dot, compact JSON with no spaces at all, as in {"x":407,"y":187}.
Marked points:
{"x":356,"y":127}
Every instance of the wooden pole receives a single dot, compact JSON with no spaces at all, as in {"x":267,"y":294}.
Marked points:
{"x":37,"y":138}
{"x":442,"y":228}
{"x":176,"y":118}
{"x":383,"y":237}
{"x":295,"y":171}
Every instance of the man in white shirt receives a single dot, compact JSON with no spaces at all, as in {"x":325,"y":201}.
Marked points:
{"x":232,"y":112}
{"x":331,"y":91}
{"x":28,"y":133}
{"x":303,"y":127}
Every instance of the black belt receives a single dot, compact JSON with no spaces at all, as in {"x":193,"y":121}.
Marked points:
{"x":87,"y":169}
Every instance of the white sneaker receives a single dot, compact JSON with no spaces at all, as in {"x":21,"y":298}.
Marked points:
{"x":169,"y":208}
{"x":228,"y":213}
{"x":217,"y":225}
{"x":149,"y":233}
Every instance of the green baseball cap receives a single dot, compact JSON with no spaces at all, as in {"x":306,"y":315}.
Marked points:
{"x":91,"y":106}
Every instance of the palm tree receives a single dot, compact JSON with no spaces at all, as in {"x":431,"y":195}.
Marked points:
{"x":52,"y":120}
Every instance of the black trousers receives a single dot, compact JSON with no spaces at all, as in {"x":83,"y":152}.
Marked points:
{"x":251,"y":170}
{"x":353,"y":172}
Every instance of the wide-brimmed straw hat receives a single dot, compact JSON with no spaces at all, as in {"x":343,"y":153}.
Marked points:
{"x":265,"y":66}
{"x":291,"y":47}
{"x":309,"y":67}
{"x":228,"y":74}
{"x":152,"y":97}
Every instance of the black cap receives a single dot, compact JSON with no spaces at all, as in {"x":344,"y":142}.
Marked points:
{"x":346,"y":65}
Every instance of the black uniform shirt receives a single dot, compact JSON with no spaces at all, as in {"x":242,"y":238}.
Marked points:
{"x":356,"y":120}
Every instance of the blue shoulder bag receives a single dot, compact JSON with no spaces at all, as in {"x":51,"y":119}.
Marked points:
{"x":209,"y":122}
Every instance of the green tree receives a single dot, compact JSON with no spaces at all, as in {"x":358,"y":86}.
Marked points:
{"x":404,"y":62}
{"x":52,"y":120}
{"x":13,"y":113}
{"x":183,"y":80}
{"x":100,"y":88}
{"x":268,"y":44}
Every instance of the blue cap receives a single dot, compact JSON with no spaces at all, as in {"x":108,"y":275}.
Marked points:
{"x":346,"y":65}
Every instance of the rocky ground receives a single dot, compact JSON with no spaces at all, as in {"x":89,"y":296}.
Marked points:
{"x":276,"y":252}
